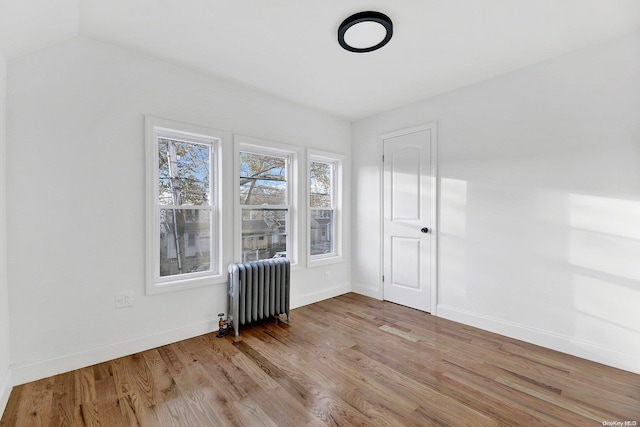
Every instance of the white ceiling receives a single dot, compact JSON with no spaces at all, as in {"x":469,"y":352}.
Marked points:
{"x":288,"y":47}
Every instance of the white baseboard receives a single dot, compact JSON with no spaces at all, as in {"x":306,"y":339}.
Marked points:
{"x":565,"y":344}
{"x":367,"y":291}
{"x":23,"y":373}
{"x":32,"y":371}
{"x":320,"y":296}
{"x":6,"y":384}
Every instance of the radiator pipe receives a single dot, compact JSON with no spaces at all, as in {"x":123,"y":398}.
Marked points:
{"x":222,"y":326}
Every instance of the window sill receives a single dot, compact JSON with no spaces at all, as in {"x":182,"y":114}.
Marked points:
{"x":181,"y":285}
{"x":320,"y":261}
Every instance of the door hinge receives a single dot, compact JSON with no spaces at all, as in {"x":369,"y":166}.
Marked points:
{"x":382,"y":279}
{"x":383,"y":158}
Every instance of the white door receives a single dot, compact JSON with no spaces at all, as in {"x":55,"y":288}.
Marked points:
{"x":409,"y":217}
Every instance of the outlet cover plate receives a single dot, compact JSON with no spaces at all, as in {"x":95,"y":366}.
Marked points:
{"x":124,"y":299}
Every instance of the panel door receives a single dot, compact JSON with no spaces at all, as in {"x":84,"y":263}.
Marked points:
{"x":407,"y":225}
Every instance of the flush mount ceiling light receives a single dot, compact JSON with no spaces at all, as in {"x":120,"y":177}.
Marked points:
{"x":365,"y":32}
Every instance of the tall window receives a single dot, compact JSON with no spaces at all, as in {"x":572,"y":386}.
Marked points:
{"x":183,"y":233}
{"x":324,"y":205}
{"x":265,"y":203}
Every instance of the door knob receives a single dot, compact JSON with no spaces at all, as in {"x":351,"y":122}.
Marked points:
{"x":424,"y":230}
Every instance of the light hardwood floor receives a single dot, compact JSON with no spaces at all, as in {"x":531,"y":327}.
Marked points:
{"x":350,"y":360}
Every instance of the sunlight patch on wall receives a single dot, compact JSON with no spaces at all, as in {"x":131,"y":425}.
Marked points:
{"x":611,"y":216}
{"x":605,"y":235}
{"x":614,"y":303}
{"x":453,"y":248}
{"x":453,"y":206}
{"x":604,"y":241}
{"x":453,"y":269}
{"x":590,"y":329}
{"x":605,"y":253}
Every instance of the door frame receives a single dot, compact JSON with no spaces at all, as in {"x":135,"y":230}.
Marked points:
{"x":435,"y":205}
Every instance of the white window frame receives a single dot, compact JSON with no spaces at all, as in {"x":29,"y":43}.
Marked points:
{"x":244,"y":143}
{"x":156,"y":128}
{"x":338,"y":163}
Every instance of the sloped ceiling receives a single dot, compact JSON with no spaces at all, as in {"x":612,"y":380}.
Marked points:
{"x":288,"y":47}
{"x":30,"y":25}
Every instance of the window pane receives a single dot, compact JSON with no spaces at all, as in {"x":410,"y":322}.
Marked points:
{"x":264,"y":234}
{"x":320,"y":186}
{"x":185,"y":241}
{"x":183,"y":173}
{"x":321,"y":240}
{"x":263,"y":180}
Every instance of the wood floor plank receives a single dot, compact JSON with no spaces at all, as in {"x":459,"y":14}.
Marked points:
{"x":341,"y":385}
{"x":108,"y":403}
{"x":10,"y":416}
{"x":143,"y":384}
{"x":367,"y":395}
{"x":272,"y":403}
{"x":62,"y":401}
{"x":364,"y":398}
{"x":213,"y":393}
{"x":346,"y":361}
{"x":167,"y":396}
{"x":86,"y":411}
{"x":524,"y":409}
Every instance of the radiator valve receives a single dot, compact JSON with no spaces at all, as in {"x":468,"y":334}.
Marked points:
{"x":222,"y":326}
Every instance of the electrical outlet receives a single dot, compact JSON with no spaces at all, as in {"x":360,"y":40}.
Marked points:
{"x":327,"y":276}
{"x":124,"y":299}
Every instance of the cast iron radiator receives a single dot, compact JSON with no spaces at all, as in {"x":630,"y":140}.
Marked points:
{"x":258,"y":290}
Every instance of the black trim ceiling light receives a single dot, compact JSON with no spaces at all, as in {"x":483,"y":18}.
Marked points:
{"x":365,"y":31}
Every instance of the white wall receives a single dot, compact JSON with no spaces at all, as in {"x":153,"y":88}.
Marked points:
{"x":76,"y":199}
{"x":5,"y":372}
{"x":540,"y":202}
